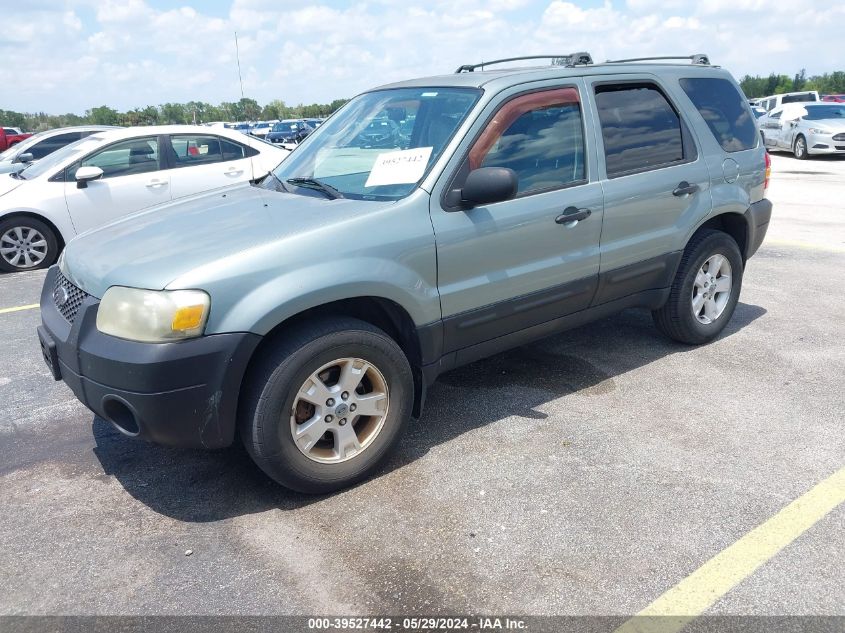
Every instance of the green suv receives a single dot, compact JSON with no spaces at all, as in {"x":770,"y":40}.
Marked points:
{"x":425,"y":225}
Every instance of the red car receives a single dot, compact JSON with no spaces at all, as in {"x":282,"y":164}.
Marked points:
{"x":834,"y":98}
{"x":9,"y":137}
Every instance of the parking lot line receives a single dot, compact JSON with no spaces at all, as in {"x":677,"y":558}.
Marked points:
{"x":697,"y":592}
{"x":31,"y":306}
{"x":833,"y":248}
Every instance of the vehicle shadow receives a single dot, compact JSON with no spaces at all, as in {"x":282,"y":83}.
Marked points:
{"x":200,"y":486}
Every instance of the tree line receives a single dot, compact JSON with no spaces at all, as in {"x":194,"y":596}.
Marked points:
{"x":758,"y":86}
{"x":245,"y":109}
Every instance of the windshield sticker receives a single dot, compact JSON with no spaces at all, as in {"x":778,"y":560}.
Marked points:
{"x":399,"y":168}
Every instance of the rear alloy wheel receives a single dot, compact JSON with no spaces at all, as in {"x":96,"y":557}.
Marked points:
{"x":324,"y":405}
{"x":800,"y":148}
{"x":705,"y":291}
{"x":26,"y":244}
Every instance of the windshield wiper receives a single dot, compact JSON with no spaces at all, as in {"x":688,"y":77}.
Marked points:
{"x":313,"y":183}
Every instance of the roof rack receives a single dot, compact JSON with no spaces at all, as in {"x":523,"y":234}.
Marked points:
{"x":570,"y":60}
{"x":699,"y":58}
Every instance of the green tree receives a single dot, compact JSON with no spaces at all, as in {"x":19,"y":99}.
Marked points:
{"x":103,"y":115}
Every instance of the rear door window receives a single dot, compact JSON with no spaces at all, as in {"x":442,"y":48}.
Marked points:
{"x":191,"y":150}
{"x":724,"y":111}
{"x":640,"y":129}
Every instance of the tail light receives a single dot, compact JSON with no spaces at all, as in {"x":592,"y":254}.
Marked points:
{"x":768,"y":174}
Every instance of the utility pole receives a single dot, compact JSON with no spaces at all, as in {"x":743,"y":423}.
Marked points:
{"x":238,"y":57}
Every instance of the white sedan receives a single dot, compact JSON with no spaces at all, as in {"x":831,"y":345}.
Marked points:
{"x":113,"y":173}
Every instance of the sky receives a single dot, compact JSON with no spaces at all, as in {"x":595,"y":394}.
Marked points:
{"x":63,"y":56}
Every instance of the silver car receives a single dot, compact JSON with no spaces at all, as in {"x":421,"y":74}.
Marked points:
{"x":309,"y":312}
{"x":805,"y":129}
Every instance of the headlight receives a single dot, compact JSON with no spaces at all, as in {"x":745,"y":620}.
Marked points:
{"x":153,"y":316}
{"x":818,"y":130}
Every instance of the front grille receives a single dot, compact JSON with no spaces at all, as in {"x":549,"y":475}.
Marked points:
{"x":839,"y":137}
{"x":67,"y":297}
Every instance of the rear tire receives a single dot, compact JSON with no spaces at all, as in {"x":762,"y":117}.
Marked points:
{"x":26,"y":244}
{"x":699,"y":309}
{"x":298,"y":416}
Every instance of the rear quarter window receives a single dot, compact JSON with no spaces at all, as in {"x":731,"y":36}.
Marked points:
{"x":724,"y":110}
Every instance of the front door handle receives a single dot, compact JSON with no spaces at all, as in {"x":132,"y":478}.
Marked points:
{"x":684,"y":188}
{"x":571,"y":215}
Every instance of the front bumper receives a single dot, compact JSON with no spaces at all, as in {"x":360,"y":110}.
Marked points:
{"x":825,"y":144}
{"x":179,"y":394}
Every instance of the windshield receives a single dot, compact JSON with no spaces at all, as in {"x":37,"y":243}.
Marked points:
{"x":60,"y":157}
{"x":381,"y":144}
{"x":819,"y":112}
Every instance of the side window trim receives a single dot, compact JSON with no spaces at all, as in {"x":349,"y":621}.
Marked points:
{"x":68,"y":177}
{"x":687,"y":137}
{"x":462,"y":167}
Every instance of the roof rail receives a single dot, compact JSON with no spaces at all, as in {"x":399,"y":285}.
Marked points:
{"x":698,"y":58}
{"x":570,"y":60}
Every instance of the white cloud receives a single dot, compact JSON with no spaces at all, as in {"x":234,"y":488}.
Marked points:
{"x":75,"y":54}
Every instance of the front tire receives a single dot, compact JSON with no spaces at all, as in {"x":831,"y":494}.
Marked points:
{"x":26,"y":244}
{"x":325,"y":405}
{"x":705,"y":291}
{"x":799,"y":149}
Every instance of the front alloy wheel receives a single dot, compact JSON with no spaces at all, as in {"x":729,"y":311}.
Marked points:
{"x":340,"y":410}
{"x":26,"y":244}
{"x":800,"y":150}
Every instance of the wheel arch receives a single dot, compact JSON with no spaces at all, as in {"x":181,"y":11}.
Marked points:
{"x":381,"y":312}
{"x":734,"y":224}
{"x":41,"y":218}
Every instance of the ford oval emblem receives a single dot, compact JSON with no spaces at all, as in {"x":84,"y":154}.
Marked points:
{"x":60,"y":296}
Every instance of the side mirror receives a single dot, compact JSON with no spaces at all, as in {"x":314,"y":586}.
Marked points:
{"x":26,"y":157}
{"x":487,"y":185}
{"x":86,"y":174}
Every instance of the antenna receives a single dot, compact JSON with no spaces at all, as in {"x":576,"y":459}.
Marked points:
{"x":238,"y":57}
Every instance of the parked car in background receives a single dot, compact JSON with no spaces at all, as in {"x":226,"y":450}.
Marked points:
{"x":9,"y":137}
{"x":37,"y":146}
{"x":289,"y":132}
{"x":834,"y":98}
{"x":113,"y":173}
{"x":243,"y":128}
{"x":261,"y":129}
{"x":776,"y":101}
{"x":13,"y":130}
{"x":307,"y":315}
{"x":805,"y":129}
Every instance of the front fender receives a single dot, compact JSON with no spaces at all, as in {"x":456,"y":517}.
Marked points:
{"x":275,"y":300}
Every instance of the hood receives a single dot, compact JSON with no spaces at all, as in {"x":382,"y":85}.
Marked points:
{"x":834,"y":125}
{"x":8,"y":183}
{"x":152,"y":248}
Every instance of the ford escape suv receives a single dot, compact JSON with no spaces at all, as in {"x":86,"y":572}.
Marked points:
{"x":308,"y":313}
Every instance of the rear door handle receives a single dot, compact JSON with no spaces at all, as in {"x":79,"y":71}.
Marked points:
{"x":234,"y":172}
{"x":685,"y":188}
{"x":572,"y":215}
{"x":156,"y":183}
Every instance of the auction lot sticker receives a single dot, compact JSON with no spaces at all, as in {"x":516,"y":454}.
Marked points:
{"x":399,"y":168}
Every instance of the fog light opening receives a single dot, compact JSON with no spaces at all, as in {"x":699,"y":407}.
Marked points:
{"x":121,"y":416}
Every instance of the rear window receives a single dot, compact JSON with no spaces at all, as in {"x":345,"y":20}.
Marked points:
{"x":724,"y":110}
{"x":802,"y":98}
